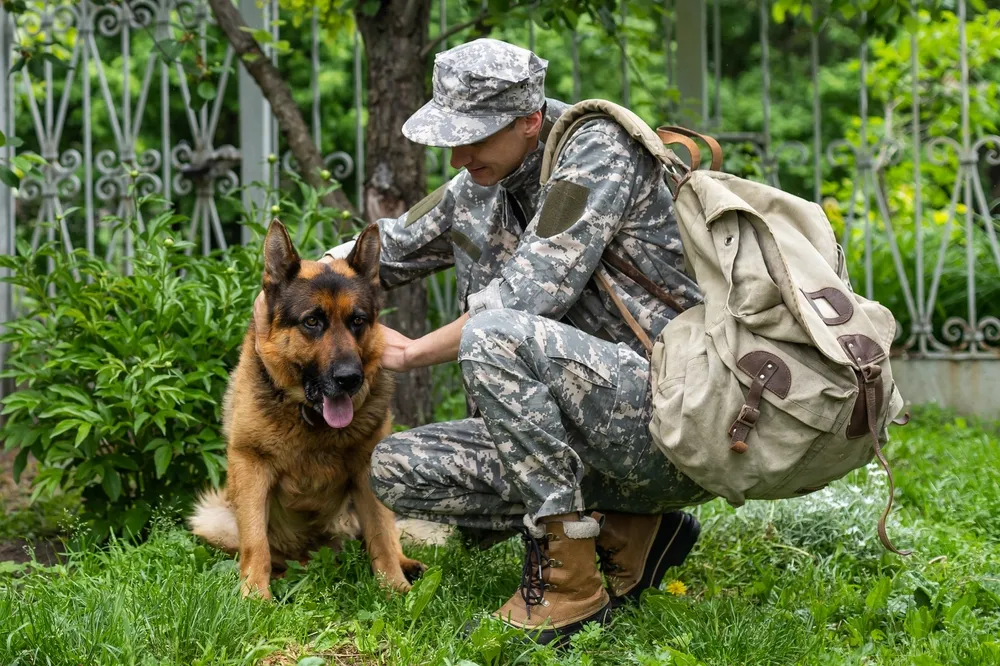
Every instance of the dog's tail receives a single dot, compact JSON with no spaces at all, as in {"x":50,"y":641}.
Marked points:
{"x":214,"y":521}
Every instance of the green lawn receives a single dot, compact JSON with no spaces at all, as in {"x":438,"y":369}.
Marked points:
{"x":798,"y":582}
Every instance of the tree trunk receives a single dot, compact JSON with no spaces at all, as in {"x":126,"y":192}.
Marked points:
{"x":309,"y":160}
{"x":395,"y":175}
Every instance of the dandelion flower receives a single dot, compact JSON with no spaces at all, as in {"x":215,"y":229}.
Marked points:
{"x":677,"y":588}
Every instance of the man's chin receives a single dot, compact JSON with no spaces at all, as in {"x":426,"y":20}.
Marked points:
{"x":483,"y":178}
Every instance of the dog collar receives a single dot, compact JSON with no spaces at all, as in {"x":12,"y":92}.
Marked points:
{"x":305,"y":416}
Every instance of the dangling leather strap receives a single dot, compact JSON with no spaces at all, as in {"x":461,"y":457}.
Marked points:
{"x":872,"y":381}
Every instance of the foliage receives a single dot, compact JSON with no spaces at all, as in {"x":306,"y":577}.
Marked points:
{"x":801,"y":581}
{"x":890,"y":139}
{"x":14,"y":170}
{"x":121,"y":374}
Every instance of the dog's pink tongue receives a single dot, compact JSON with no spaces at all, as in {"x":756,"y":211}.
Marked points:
{"x":338,"y":411}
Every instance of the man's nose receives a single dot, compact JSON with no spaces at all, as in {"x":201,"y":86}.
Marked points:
{"x":460,"y":156}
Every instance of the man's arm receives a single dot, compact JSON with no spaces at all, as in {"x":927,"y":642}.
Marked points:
{"x":591,"y":190}
{"x":415,"y":244}
{"x":438,"y":346}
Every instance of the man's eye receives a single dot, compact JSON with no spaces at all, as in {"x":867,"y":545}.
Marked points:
{"x":311,"y":321}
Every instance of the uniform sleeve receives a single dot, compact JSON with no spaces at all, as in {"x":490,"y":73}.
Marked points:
{"x":418,"y":242}
{"x":582,"y":207}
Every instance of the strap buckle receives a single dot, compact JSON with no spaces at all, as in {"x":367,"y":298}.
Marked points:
{"x":871,"y":373}
{"x":747,"y":417}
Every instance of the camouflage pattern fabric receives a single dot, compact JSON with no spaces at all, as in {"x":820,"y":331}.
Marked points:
{"x":479,"y":88}
{"x":566,"y":412}
{"x":563,"y":428}
{"x":491,"y":235}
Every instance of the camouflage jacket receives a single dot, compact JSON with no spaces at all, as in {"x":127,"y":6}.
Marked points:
{"x":521,"y":246}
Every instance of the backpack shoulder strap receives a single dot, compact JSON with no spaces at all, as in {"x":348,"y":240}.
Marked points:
{"x":654,"y":142}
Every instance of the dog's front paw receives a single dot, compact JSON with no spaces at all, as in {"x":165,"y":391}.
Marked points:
{"x":251,"y":588}
{"x":412,"y":569}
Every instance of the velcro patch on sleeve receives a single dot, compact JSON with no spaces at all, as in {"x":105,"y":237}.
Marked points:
{"x":466,"y":244}
{"x":425,"y":205}
{"x":563,"y":206}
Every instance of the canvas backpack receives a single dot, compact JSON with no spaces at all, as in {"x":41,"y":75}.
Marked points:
{"x":779,"y":382}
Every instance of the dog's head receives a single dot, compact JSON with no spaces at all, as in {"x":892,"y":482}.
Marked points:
{"x":323,"y":346}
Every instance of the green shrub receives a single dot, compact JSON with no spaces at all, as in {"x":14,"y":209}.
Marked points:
{"x":121,"y":376}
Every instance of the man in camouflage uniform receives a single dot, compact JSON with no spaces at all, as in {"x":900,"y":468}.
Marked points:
{"x":560,"y":380}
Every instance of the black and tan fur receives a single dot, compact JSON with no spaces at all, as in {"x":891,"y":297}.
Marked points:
{"x":295,"y":483}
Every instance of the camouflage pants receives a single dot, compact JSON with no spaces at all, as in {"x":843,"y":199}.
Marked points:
{"x":564,"y":428}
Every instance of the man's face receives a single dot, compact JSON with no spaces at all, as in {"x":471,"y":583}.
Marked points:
{"x":489,"y":161}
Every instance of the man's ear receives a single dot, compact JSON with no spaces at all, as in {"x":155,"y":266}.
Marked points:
{"x":365,"y":256}
{"x":532,"y":124}
{"x":281,"y":262}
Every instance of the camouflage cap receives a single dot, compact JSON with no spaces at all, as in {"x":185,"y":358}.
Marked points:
{"x":479,"y":88}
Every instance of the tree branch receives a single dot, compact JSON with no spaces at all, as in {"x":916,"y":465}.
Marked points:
{"x":279,"y":95}
{"x":434,"y":43}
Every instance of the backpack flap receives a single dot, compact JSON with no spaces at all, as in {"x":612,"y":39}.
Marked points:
{"x":784,"y":254}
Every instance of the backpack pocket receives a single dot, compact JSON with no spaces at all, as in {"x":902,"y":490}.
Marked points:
{"x":792,"y":439}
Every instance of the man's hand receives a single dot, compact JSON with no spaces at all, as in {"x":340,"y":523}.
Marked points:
{"x":396,"y":344}
{"x":440,"y":346}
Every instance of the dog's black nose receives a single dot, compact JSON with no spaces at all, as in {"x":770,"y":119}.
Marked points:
{"x":348,"y":379}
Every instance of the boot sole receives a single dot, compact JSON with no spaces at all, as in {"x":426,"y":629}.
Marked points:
{"x":558,"y":638}
{"x":555,"y":638}
{"x":674,"y":540}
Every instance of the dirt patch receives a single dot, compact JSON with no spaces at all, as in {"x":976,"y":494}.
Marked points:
{"x":15,"y":497}
{"x":19,"y":551}
{"x":342,"y":655}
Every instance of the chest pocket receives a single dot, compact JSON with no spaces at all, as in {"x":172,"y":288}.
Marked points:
{"x":472,"y":275}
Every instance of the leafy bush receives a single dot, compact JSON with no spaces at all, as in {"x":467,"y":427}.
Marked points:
{"x":121,"y":375}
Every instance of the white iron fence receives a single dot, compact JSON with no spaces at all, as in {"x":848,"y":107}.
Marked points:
{"x":90,"y":109}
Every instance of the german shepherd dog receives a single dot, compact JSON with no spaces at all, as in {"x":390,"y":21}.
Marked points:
{"x":302,"y":413}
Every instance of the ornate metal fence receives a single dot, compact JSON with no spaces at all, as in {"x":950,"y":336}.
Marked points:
{"x":86,"y":111}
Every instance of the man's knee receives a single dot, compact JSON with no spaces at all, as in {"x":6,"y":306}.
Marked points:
{"x":491,"y":339}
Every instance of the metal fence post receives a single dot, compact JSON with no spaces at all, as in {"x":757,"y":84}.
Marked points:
{"x":7,"y":240}
{"x":692,"y":61}
{"x":255,"y":129}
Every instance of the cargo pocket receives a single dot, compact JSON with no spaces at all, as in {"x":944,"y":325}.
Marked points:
{"x":601,"y":389}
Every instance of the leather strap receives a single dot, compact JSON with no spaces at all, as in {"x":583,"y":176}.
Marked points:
{"x":670,"y":138}
{"x":633,"y":273}
{"x":626,"y":315}
{"x":750,"y":411}
{"x":674,"y":134}
{"x":873,"y":382}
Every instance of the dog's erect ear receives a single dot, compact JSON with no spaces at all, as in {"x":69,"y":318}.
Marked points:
{"x":366,"y":253}
{"x":281,"y":262}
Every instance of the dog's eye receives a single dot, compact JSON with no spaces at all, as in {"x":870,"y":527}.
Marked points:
{"x":357,"y":322}
{"x":311,"y":321}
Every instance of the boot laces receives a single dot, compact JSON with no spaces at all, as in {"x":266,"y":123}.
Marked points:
{"x":535,"y":561}
{"x":606,"y":559}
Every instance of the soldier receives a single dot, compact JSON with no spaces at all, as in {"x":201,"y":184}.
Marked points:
{"x":561,"y":382}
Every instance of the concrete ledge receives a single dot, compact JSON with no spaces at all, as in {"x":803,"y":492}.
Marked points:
{"x":969,"y":386}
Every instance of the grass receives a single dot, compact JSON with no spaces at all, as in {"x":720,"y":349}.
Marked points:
{"x":794,"y":582}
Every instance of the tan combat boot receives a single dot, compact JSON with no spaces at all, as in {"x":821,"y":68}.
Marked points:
{"x":561,"y":588}
{"x":636,"y":550}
